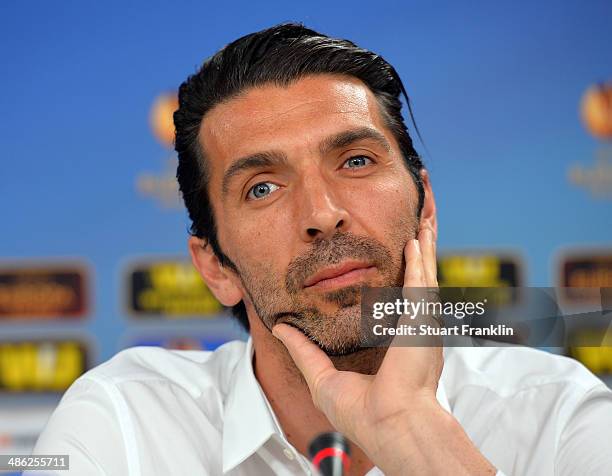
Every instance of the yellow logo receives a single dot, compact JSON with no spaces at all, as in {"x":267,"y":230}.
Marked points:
{"x":169,"y":290}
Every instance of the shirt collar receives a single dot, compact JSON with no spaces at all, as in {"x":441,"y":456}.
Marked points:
{"x":248,"y":420}
{"x":248,"y":423}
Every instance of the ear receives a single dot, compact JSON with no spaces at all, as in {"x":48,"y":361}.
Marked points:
{"x":428,"y":213}
{"x":218,"y":278}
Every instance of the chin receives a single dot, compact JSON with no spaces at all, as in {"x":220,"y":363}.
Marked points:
{"x":341,"y":346}
{"x":340,"y":352}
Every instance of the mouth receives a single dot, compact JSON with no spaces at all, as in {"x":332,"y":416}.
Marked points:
{"x":342,"y":275}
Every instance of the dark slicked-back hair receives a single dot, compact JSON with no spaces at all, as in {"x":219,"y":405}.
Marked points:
{"x":279,"y":55}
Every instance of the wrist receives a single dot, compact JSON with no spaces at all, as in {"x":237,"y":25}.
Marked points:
{"x":402,"y":436}
{"x":425,"y":439}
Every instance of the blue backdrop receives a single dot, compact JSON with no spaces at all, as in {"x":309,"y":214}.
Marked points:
{"x":495,"y":86}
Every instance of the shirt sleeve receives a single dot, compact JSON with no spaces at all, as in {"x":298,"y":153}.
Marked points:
{"x":584,"y":445}
{"x":85,"y":427}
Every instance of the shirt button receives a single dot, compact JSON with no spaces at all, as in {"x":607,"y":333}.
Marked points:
{"x":289,"y":454}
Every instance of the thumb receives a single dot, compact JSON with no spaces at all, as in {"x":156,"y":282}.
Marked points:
{"x":312,"y":362}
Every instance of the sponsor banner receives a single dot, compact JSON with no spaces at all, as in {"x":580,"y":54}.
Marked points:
{"x":46,"y":291}
{"x":585,"y":270}
{"x":169,"y":289}
{"x":18,"y":442}
{"x":479,"y":270}
{"x":484,"y":270}
{"x":593,"y":347}
{"x":41,"y":366}
{"x":22,"y":422}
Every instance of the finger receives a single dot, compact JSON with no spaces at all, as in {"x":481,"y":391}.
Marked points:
{"x":428,"y":252}
{"x":413,"y":280}
{"x":414,"y":360}
{"x":427,"y":245}
{"x":312,"y":362}
{"x":413,"y":274}
{"x":413,"y":290}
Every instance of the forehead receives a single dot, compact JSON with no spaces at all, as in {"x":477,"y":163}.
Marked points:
{"x":288,"y":118}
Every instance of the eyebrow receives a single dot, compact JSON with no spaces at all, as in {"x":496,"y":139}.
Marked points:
{"x":274,"y":158}
{"x":346,"y":138}
{"x":255,"y":161}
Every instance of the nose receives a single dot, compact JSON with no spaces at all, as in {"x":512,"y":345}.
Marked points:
{"x":321,"y":211}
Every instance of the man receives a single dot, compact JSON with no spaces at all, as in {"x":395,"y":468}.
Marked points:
{"x":303,"y":185}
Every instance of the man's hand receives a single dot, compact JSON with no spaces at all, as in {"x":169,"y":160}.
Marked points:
{"x":393,"y":416}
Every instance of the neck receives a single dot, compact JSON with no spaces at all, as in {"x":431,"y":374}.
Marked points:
{"x":288,"y":394}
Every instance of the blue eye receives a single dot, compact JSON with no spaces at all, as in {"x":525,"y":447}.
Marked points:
{"x":356,"y":162}
{"x":261,"y":190}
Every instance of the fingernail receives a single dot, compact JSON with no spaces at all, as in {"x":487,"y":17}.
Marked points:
{"x":275,"y":331}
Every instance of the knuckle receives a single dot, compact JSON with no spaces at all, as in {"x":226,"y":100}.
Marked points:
{"x":414,"y":273}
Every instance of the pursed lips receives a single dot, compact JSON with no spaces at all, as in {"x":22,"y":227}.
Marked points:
{"x":340,"y":275}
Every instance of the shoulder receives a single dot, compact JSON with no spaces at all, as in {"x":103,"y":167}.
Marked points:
{"x":520,"y":387}
{"x":145,"y":401}
{"x":530,"y":411}
{"x":506,"y":370}
{"x":195,"y":372}
{"x":180,"y":388}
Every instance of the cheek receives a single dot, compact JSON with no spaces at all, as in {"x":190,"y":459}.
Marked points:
{"x":387,"y":209}
{"x":256,"y":242}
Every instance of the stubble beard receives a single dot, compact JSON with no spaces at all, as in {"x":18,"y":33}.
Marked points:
{"x":334,"y":322}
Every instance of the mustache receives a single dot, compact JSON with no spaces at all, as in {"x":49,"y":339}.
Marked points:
{"x":338,"y":248}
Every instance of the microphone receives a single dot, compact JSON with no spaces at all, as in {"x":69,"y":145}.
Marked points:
{"x":330,"y":454}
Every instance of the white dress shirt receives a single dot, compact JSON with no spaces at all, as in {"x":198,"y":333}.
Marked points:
{"x":150,"y":411}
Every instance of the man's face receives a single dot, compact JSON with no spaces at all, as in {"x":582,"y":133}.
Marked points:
{"x":312,"y":200}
